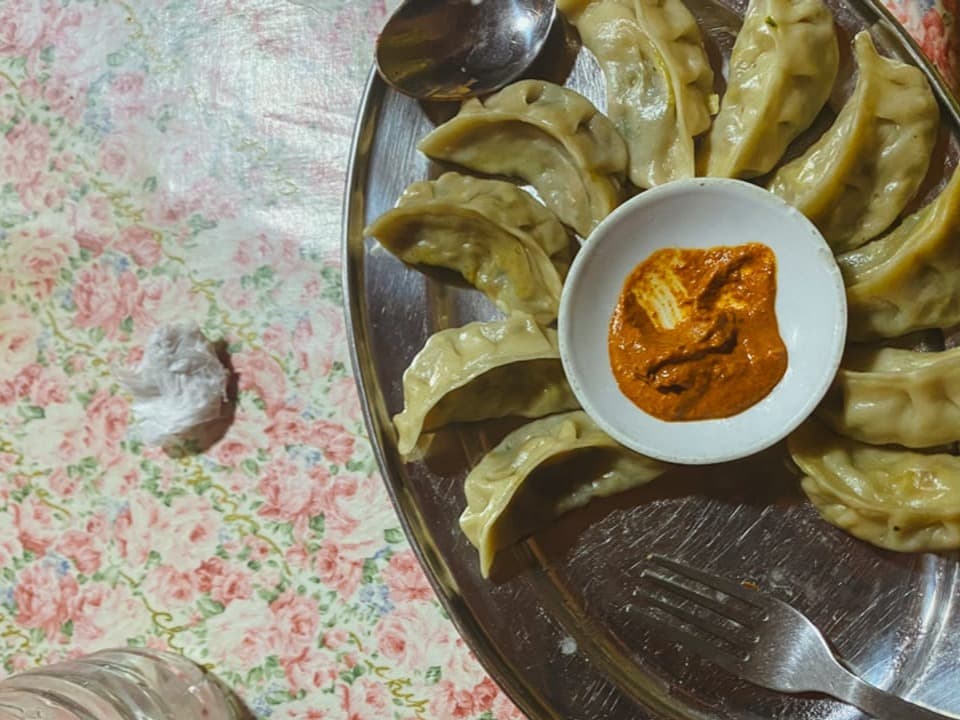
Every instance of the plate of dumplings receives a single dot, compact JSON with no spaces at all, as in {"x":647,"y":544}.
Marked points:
{"x":460,"y":225}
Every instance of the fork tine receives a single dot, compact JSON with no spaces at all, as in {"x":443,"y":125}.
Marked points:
{"x":722,"y":609}
{"x":730,"y":588}
{"x":702,"y":647}
{"x":717,"y":630}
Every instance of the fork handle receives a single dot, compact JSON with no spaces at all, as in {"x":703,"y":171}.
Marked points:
{"x":877,"y":702}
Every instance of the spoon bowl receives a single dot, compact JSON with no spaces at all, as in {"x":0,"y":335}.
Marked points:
{"x":456,"y":49}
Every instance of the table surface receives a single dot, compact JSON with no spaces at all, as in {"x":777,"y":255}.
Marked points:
{"x":168,"y":160}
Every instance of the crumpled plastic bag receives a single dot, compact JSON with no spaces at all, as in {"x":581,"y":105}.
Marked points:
{"x":179,"y":385}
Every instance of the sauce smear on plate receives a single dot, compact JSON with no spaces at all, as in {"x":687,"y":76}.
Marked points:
{"x":694,"y":335}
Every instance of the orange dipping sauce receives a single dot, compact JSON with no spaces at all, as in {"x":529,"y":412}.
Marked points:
{"x":694,"y":335}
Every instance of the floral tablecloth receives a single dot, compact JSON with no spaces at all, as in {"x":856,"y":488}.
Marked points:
{"x":168,"y":160}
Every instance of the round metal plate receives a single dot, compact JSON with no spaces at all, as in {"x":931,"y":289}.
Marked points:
{"x":555,"y":625}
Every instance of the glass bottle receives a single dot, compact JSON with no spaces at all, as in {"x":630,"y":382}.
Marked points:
{"x":122,"y":684}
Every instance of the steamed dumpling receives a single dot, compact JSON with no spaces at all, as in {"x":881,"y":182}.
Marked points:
{"x":782,"y":69}
{"x":659,"y":80}
{"x":854,"y":181}
{"x":480,"y":371}
{"x":499,"y":238}
{"x":889,"y":395}
{"x":547,"y":136}
{"x":895,"y":499}
{"x":520,"y":486}
{"x":910,"y":278}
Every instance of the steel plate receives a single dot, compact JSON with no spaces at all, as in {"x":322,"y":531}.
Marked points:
{"x":555,"y":626}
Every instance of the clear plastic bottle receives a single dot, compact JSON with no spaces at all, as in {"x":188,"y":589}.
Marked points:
{"x":123,"y":684}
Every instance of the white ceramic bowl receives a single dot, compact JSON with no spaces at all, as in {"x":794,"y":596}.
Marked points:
{"x":702,"y":213}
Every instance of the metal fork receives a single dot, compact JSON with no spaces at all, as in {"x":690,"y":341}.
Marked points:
{"x":756,"y":637}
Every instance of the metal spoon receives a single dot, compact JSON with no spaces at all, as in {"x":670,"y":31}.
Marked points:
{"x":455,"y":49}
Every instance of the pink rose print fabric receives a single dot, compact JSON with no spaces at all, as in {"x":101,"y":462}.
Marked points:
{"x":169,"y":160}
{"x":933,"y":24}
{"x":166,"y":160}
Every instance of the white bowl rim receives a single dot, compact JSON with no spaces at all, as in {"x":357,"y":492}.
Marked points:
{"x":724,"y":439}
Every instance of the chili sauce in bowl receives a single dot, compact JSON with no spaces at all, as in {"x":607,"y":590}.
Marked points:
{"x":694,"y":335}
{"x":702,"y":321}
